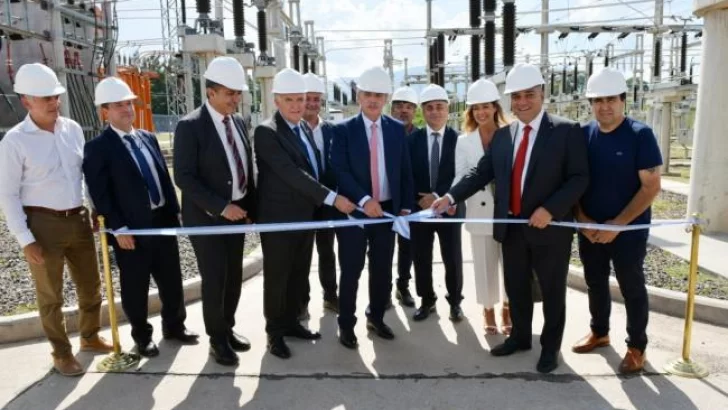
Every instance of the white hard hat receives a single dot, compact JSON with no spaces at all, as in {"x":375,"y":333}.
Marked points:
{"x":522,"y":77}
{"x":606,"y":82}
{"x":227,"y":72}
{"x":113,"y":89}
{"x":37,"y":80}
{"x":375,"y":80}
{"x":314,"y":84}
{"x":289,"y":81}
{"x":482,"y":91}
{"x":433,"y":92}
{"x":407,"y":94}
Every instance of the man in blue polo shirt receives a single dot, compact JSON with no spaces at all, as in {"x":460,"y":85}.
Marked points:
{"x":624,"y":164}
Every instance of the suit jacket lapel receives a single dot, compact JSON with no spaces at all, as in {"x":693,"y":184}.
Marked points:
{"x":292,"y":138}
{"x":544,"y":132}
{"x":210,"y":130}
{"x":448,"y":145}
{"x":388,"y":162}
{"x":509,"y":158}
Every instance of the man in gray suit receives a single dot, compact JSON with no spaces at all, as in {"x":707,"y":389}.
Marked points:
{"x":539,"y":165}
{"x":289,"y":190}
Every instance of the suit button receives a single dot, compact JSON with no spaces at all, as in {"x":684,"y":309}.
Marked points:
{"x":230,"y":182}
{"x":482,"y":204}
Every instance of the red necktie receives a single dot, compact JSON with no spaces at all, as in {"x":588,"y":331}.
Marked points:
{"x":517,"y":173}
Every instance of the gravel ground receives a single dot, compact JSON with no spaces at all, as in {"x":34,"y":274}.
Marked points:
{"x":665,"y":270}
{"x":19,"y":296}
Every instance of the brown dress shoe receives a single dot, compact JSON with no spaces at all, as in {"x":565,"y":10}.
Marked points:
{"x":589,"y":343}
{"x":96,"y":344}
{"x":633,"y":362}
{"x":67,"y":365}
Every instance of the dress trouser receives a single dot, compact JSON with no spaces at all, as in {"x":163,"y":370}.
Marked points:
{"x":488,"y":269}
{"x":65,"y":238}
{"x":450,"y":238}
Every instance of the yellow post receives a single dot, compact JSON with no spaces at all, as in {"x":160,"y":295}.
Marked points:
{"x":117,"y":361}
{"x":684,"y":366}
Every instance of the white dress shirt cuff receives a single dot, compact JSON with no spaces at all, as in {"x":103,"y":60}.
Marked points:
{"x":452,"y":200}
{"x":436,"y":196}
{"x":364,"y":200}
{"x":25,"y":238}
{"x":330,"y":198}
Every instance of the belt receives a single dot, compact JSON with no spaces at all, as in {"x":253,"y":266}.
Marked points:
{"x":62,"y":213}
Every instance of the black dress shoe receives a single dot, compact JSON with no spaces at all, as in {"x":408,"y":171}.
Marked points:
{"x":456,"y":313}
{"x":278,"y":347}
{"x":238,"y":343}
{"x":404,"y":296}
{"x":508,"y":348}
{"x":381,"y":330}
{"x":223,"y":353}
{"x":183,"y":335}
{"x":148,"y":349}
{"x":300,"y":332}
{"x":348,"y":338}
{"x":423,"y":312}
{"x":548,"y":361}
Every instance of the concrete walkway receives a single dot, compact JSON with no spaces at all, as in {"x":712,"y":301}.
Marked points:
{"x":674,"y":239}
{"x":431,"y":365}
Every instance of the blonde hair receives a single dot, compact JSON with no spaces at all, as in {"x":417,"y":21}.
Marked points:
{"x":499,"y":117}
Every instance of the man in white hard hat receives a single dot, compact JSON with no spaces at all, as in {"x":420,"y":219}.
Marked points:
{"x":213,"y":167}
{"x":41,"y":195}
{"x":624,"y":169}
{"x":371,"y":161}
{"x":323,"y":133}
{"x":404,"y":107}
{"x":432,"y":150}
{"x":130,"y":186}
{"x":539,"y":165}
{"x":290,"y":190}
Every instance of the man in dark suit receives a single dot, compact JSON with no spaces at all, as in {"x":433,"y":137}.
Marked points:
{"x":289,"y":169}
{"x":323,"y":133}
{"x":372,"y":166}
{"x":432,"y":150}
{"x":540,"y":168}
{"x":404,"y":107}
{"x":130,"y":186}
{"x":213,"y":166}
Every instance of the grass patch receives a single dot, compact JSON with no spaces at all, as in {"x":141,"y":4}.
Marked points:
{"x":24,"y":308}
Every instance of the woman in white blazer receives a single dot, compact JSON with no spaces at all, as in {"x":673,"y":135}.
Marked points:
{"x":483,"y":117}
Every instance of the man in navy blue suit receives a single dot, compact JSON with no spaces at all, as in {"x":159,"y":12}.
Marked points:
{"x":323,"y":132}
{"x":130,"y":186}
{"x":433,"y":167}
{"x":371,"y":162}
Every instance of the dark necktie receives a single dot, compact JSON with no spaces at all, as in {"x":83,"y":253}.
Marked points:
{"x":306,"y":150}
{"x":517,"y":173}
{"x":146,"y":171}
{"x":434,"y":160}
{"x":236,"y":154}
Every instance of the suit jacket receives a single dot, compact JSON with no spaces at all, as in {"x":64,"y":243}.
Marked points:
{"x":419,"y":153}
{"x":481,"y":205}
{"x":202,"y":172}
{"x":350,"y":161}
{"x":288,"y":190}
{"x":557,"y":176}
{"x":116,"y":185}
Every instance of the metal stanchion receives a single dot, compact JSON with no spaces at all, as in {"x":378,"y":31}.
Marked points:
{"x":117,"y":361}
{"x":684,"y":366}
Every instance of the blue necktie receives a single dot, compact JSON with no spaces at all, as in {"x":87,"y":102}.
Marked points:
{"x":307,"y":149}
{"x":146,"y":171}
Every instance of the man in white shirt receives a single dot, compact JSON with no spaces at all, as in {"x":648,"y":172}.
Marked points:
{"x":41,"y":195}
{"x":128,"y":181}
{"x":214,"y":169}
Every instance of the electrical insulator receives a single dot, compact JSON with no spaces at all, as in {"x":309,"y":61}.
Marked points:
{"x":656,"y":70}
{"x":474,"y":13}
{"x":684,"y":53}
{"x":305,"y":63}
{"x":441,"y":59}
{"x":474,"y":58}
{"x":203,"y":6}
{"x":297,"y":58}
{"x":509,"y":34}
{"x":489,"y":48}
{"x":238,"y":18}
{"x":262,"y":32}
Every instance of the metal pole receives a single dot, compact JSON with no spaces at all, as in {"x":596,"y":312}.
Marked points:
{"x":544,"y":36}
{"x":684,"y":366}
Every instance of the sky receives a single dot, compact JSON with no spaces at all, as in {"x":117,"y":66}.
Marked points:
{"x":349,"y":52}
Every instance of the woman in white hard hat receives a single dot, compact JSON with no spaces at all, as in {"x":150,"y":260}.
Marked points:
{"x":483,"y":116}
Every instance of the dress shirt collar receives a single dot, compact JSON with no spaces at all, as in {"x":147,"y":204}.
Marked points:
{"x":368,"y":123}
{"x":30,"y":126}
{"x":121,"y":133}
{"x":441,"y":131}
{"x":216,"y":116}
{"x":535,"y":123}
{"x":318,"y":124}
